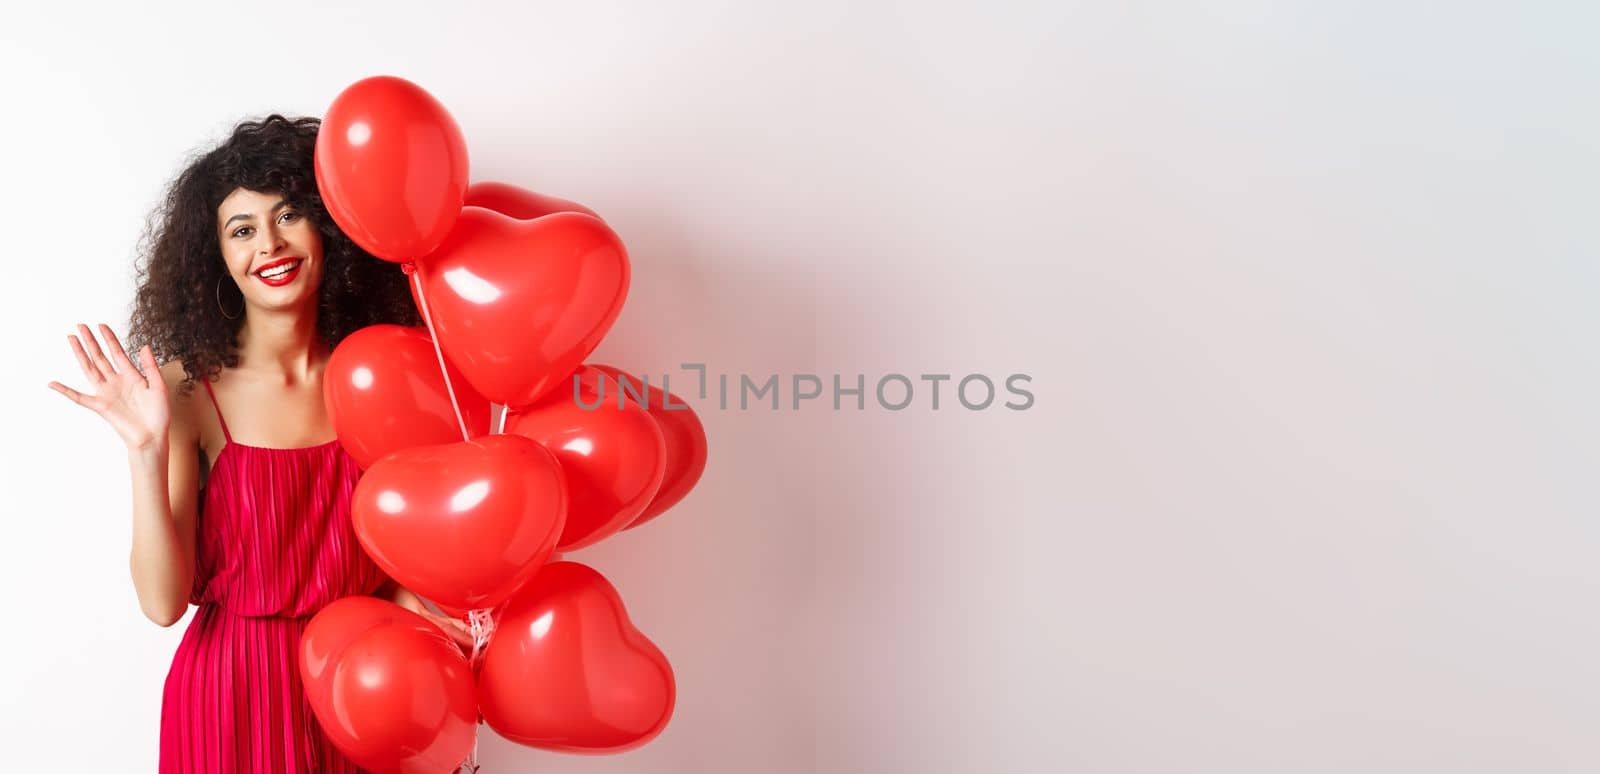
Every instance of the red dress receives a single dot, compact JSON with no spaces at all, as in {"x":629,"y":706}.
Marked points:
{"x":273,"y":544}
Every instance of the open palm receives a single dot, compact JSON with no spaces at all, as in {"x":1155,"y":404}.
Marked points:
{"x":134,"y":403}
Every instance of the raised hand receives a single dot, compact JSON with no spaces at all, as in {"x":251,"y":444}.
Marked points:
{"x":134,"y":403}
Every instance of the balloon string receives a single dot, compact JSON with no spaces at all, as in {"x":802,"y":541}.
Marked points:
{"x":504,"y":412}
{"x":470,"y":765}
{"x":481,"y":623}
{"x":422,"y":301}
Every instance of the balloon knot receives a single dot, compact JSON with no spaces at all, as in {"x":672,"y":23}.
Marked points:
{"x":409,"y":267}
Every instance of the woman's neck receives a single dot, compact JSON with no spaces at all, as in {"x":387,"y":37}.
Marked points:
{"x":282,"y":345}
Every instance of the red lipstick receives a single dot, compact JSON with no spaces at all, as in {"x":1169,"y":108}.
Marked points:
{"x":280,"y":277}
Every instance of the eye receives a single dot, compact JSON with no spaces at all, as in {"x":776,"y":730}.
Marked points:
{"x":242,"y":231}
{"x":289,"y":216}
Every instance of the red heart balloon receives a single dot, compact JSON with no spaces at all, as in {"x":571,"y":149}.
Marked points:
{"x":463,"y":524}
{"x":611,"y":455}
{"x":332,"y":628}
{"x":518,"y":304}
{"x":566,"y":670}
{"x":519,"y":203}
{"x":682,"y":433}
{"x":390,"y":689}
{"x":384,"y":393}
{"x":391,"y":166}
{"x":462,"y":613}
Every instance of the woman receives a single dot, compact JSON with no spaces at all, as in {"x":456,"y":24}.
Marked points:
{"x":241,"y":497}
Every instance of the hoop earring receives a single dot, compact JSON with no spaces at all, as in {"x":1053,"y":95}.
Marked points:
{"x":235,"y":315}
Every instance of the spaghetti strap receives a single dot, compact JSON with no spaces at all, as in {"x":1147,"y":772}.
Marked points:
{"x":220,"y":420}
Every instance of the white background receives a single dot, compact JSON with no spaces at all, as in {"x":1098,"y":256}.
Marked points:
{"x":1307,"y":292}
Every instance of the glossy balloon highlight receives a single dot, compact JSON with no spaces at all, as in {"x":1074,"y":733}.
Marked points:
{"x":462,"y":524}
{"x":568,"y":671}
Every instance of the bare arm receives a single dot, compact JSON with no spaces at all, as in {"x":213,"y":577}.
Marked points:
{"x":406,"y":598}
{"x":165,"y":478}
{"x":163,"y":459}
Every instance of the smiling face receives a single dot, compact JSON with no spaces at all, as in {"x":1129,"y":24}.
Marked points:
{"x":271,"y":249}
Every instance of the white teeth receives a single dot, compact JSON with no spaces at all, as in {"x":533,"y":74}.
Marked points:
{"x":279,"y":271}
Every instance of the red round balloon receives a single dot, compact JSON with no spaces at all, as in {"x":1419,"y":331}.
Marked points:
{"x":610,"y":451}
{"x":463,"y":524}
{"x":567,"y":671}
{"x":390,"y":689}
{"x":519,"y":203}
{"x":385,"y":393}
{"x":518,"y":304}
{"x":683,"y":435}
{"x":391,"y":166}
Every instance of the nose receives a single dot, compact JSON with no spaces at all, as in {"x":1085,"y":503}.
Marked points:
{"x":270,"y":241}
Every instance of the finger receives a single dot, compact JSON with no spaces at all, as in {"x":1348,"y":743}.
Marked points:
{"x":457,"y":630}
{"x":95,"y":354}
{"x":119,"y":356}
{"x":90,"y":371}
{"x":72,"y":395}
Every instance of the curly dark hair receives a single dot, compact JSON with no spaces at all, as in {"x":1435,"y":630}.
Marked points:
{"x":175,"y":310}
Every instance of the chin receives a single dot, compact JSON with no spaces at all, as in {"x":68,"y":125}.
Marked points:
{"x":286,"y":303}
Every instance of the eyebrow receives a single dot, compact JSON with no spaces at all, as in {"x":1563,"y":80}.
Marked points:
{"x":247,"y":216}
